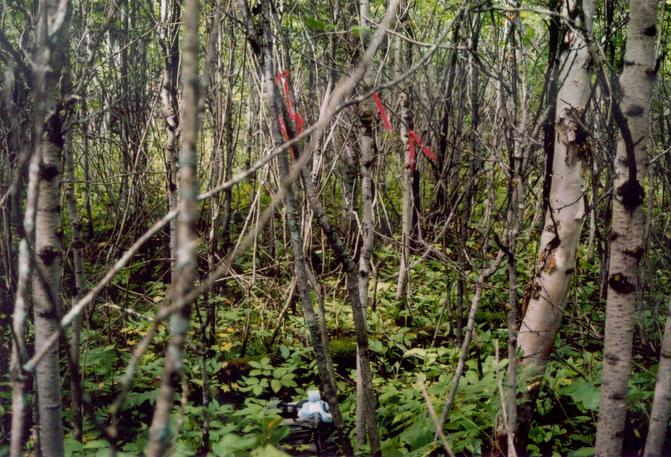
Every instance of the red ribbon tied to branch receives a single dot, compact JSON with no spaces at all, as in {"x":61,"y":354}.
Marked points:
{"x":283,"y":78}
{"x":382,"y":112}
{"x":413,"y":139}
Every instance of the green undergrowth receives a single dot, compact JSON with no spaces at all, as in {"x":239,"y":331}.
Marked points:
{"x":248,"y":377}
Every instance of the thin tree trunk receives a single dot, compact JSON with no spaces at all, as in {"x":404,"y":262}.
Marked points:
{"x":367,"y":233}
{"x":363,"y":358}
{"x":484,"y":276}
{"x":296,"y":241}
{"x":50,"y":60}
{"x":169,"y":39}
{"x":366,"y":160}
{"x":512,"y":108}
{"x":19,"y":349}
{"x":264,"y":53}
{"x":90,"y":230}
{"x":17,"y":276}
{"x":345,"y":259}
{"x":404,"y":60}
{"x":78,"y":261}
{"x":443,"y":197}
{"x":160,"y":434}
{"x":208,"y":326}
{"x":627,"y":239}
{"x":661,"y":403}
{"x":564,"y":216}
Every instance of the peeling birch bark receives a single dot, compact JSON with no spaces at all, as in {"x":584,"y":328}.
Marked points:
{"x":564,"y":216}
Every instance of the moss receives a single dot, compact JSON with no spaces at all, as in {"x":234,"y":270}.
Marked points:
{"x":343,"y":352}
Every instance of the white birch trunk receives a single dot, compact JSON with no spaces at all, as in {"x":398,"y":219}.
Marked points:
{"x":19,"y":350}
{"x":627,"y":243}
{"x":566,"y":211}
{"x":50,"y":60}
{"x":169,"y":33}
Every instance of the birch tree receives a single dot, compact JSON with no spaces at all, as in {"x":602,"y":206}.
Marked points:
{"x":263,"y":47}
{"x":366,"y":155}
{"x":403,"y":59}
{"x":627,"y":237}
{"x":169,"y":41}
{"x":186,"y":268}
{"x":19,"y":350}
{"x":565,"y":212}
{"x":50,"y":62}
{"x":661,"y":404}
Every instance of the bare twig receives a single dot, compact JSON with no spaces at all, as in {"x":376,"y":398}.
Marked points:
{"x":434,"y":418}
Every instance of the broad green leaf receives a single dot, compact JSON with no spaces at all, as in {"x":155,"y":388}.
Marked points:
{"x":583,"y":394}
{"x":96,"y":444}
{"x":583,"y":452}
{"x":316,"y":24}
{"x":268,"y":451}
{"x":417,"y":352}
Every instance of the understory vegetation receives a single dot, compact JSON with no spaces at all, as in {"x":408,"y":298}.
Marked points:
{"x":453,"y":219}
{"x":259,"y":360}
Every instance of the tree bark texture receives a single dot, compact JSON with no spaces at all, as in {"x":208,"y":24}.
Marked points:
{"x":169,"y":39}
{"x":627,"y":238}
{"x":661,"y":404}
{"x":366,"y":159}
{"x":296,"y":241}
{"x":404,"y":60}
{"x":78,"y":262}
{"x":565,"y":213}
{"x":263,"y":48}
{"x":19,"y":315}
{"x":50,"y":57}
{"x":186,"y":268}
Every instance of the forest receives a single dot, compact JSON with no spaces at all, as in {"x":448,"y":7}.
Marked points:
{"x":335,"y":228}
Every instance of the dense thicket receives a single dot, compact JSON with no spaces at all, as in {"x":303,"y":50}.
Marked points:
{"x":450,"y":217}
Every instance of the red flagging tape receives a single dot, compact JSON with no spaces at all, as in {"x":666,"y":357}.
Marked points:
{"x":411,"y":152}
{"x":283,"y":77}
{"x":283,"y":128}
{"x":383,"y":113}
{"x":413,"y":139}
{"x":425,"y":149}
{"x":298,"y":121}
